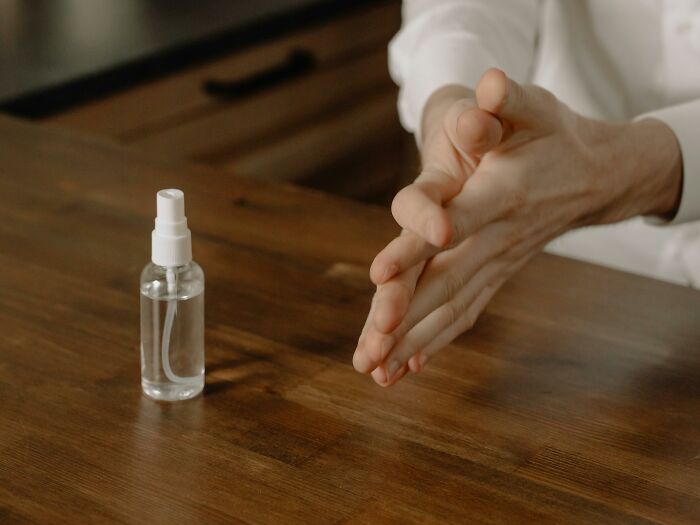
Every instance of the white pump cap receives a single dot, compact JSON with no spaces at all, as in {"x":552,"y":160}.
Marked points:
{"x":171,"y":241}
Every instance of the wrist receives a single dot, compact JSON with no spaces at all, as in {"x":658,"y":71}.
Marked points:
{"x":660,"y":167}
{"x":643,"y":168}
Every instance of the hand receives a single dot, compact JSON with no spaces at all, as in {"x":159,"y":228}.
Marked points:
{"x":449,"y":158}
{"x":539,"y":170}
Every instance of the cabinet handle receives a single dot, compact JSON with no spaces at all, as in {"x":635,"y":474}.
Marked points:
{"x":298,"y":62}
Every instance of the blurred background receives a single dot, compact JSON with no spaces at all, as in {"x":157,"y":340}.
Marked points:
{"x":278,"y":90}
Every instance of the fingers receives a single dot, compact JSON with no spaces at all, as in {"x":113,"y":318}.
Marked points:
{"x":467,"y":319}
{"x":449,"y":271}
{"x":487,"y":196}
{"x":438,"y":330}
{"x":485,"y":199}
{"x":405,"y":255}
{"x":465,"y":322}
{"x":445,"y":316}
{"x":359,"y":359}
{"x":471,"y":130}
{"x":419,"y":206}
{"x":389,"y":306}
{"x":405,"y":251}
{"x":505,"y":98}
{"x":394,"y":298}
{"x":476,"y":132}
{"x":380,"y":377}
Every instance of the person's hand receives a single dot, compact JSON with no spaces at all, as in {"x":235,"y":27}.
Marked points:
{"x":540,"y":170}
{"x":449,"y":158}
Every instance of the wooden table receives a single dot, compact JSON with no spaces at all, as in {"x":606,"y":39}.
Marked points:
{"x":575,"y":399}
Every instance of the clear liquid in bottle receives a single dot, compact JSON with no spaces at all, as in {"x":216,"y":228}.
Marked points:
{"x":172,"y":331}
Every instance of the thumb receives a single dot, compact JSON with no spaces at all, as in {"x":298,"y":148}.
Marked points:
{"x":501,"y":96}
{"x":419,"y":207}
{"x":472,"y":130}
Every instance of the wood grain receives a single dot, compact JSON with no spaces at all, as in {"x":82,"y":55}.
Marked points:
{"x":227,"y":131}
{"x":575,"y":399}
{"x":312,"y":129}
{"x":146,"y":108}
{"x":316,"y":145}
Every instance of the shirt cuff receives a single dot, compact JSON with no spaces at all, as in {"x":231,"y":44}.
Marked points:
{"x":443,"y":60}
{"x":683,"y":120}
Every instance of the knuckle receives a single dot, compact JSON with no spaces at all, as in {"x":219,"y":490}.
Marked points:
{"x":452,"y":313}
{"x":516,"y":195}
{"x":513,"y":237}
{"x":459,"y":230}
{"x":403,"y":292}
{"x":451,"y":285}
{"x":519,"y":198}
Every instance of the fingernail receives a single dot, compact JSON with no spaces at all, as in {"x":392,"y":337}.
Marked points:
{"x":389,"y":273}
{"x":379,"y":376}
{"x":391,"y":369}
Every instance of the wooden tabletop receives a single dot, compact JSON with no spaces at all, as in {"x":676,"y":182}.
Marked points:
{"x":575,"y":399}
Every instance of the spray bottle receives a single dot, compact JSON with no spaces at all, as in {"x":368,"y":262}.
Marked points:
{"x":172,"y":307}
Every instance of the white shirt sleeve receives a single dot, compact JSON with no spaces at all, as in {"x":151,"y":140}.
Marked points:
{"x":445,"y":42}
{"x":683,"y":119}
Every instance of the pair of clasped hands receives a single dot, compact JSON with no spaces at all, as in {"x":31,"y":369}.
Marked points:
{"x":506,"y":168}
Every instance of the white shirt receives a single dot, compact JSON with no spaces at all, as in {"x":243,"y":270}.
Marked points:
{"x":613,"y":60}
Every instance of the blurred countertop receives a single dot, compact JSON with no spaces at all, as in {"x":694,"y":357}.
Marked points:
{"x":57,"y":53}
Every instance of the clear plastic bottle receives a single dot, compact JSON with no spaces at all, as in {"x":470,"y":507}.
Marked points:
{"x":172,"y":331}
{"x":172,"y":308}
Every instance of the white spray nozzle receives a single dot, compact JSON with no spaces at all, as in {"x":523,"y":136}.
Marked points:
{"x":170,"y":205}
{"x":171,"y":240}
